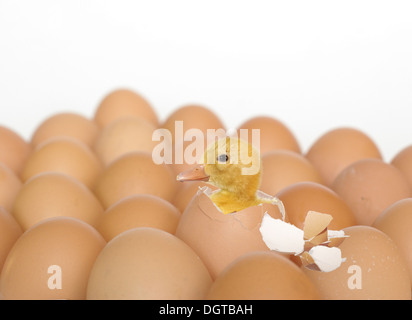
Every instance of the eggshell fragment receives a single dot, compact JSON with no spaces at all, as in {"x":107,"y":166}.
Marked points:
{"x":121,"y":103}
{"x":369,"y":186}
{"x":338,"y":148}
{"x":262,"y":276}
{"x":10,"y":231}
{"x":282,"y":168}
{"x":123,"y":136}
{"x":396,"y":222}
{"x":135,"y":173}
{"x":374,"y":269}
{"x":274,"y":134}
{"x":10,"y":186}
{"x":51,"y":261}
{"x":50,"y":195}
{"x":187,"y":191}
{"x":403,"y":161}
{"x":64,"y":155}
{"x":142,"y":210}
{"x":146,"y":264}
{"x":66,"y":124}
{"x":14,"y":150}
{"x":220,"y":238}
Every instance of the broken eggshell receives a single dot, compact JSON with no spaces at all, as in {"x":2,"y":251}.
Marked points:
{"x":220,"y":238}
{"x":315,"y":244}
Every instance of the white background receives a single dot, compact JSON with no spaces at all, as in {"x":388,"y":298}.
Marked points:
{"x":314,"y":65}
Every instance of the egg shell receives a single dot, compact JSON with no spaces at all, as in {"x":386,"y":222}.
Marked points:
{"x":10,"y":231}
{"x":14,"y":150}
{"x":274,"y":134}
{"x":262,"y":276}
{"x":302,"y":197}
{"x":221,"y":238}
{"x":49,"y":195}
{"x":369,"y":186}
{"x":10,"y":186}
{"x":374,"y":269}
{"x":403,"y":161}
{"x":338,"y":148}
{"x":66,"y":124}
{"x":396,"y":222}
{"x":123,"y":102}
{"x":282,"y":168}
{"x":138,"y":211}
{"x":123,"y":136}
{"x":193,"y":117}
{"x":135,"y":173}
{"x":64,"y":155}
{"x":187,"y":191}
{"x":146,"y":264}
{"x":69,"y":244}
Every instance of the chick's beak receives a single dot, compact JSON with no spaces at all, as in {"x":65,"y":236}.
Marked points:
{"x":196,"y":174}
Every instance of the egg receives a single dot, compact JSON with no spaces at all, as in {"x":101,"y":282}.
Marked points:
{"x":282,"y":168}
{"x":135,"y":173}
{"x":66,"y":124}
{"x":10,"y":186}
{"x":187,"y":191}
{"x":262,"y":276}
{"x":374,"y":269}
{"x":369,"y":186}
{"x":64,"y":155}
{"x":142,"y":210}
{"x":52,"y":194}
{"x":403,"y":161}
{"x":123,"y":136}
{"x":146,"y":264}
{"x":338,"y":148}
{"x":220,"y":238}
{"x":302,"y":197}
{"x":52,"y":260}
{"x":396,"y":222}
{"x":191,"y":117}
{"x":14,"y":150}
{"x":10,"y":231}
{"x":123,"y":103}
{"x":274,"y":134}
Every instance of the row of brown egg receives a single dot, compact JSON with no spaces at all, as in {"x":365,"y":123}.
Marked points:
{"x":84,"y":195}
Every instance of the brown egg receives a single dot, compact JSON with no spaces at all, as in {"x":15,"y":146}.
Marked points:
{"x":192,"y":117}
{"x":51,"y":261}
{"x":396,"y":222}
{"x":146,"y":264}
{"x":66,"y":124}
{"x":338,"y":148}
{"x":403,"y":161}
{"x":124,"y":103}
{"x":54,"y":194}
{"x":10,"y":231}
{"x":64,"y":155}
{"x":14,"y":150}
{"x":301,"y":197}
{"x":369,"y":186}
{"x":123,"y":136}
{"x":282,"y":168}
{"x":374,"y":269}
{"x":220,"y":238}
{"x":262,"y":276}
{"x":274,"y":135}
{"x":10,"y":186}
{"x":142,"y":210}
{"x":186,"y":193}
{"x":135,"y":173}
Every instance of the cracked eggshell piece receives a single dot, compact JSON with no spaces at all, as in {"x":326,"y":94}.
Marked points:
{"x":281,"y":236}
{"x":325,"y":258}
{"x":220,"y":238}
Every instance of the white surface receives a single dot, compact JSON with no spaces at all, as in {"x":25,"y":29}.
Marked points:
{"x":314,"y":65}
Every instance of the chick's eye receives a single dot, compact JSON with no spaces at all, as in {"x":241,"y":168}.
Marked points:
{"x":223,"y":158}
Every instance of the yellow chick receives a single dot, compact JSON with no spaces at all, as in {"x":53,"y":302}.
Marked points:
{"x":233,"y":166}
